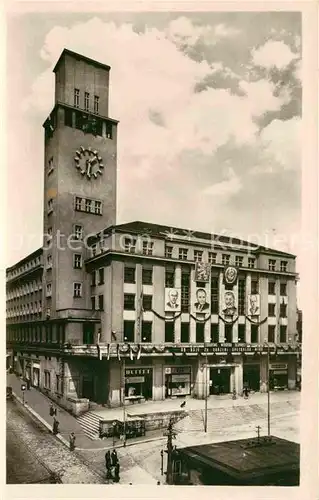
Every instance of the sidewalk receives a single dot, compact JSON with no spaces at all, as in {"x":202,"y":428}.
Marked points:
{"x":40,"y":404}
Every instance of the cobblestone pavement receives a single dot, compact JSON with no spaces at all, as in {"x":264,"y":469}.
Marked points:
{"x":45,"y":450}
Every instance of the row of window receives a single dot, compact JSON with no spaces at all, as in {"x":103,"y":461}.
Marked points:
{"x":77,"y":232}
{"x":87,"y":205}
{"x":85,"y":122}
{"x":77,"y":289}
{"x":25,"y":267}
{"x":147,"y":328}
{"x":25,"y":310}
{"x":38,"y":333}
{"x":77,"y":101}
{"x":26,"y":289}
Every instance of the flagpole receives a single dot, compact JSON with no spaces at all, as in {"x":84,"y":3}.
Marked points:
{"x":124,"y":416}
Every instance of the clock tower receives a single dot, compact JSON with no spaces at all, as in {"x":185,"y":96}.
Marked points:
{"x":79,"y":183}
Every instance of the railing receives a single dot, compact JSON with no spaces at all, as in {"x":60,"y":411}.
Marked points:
{"x":78,"y":314}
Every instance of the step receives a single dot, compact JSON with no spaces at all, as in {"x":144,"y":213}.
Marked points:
{"x":90,"y":424}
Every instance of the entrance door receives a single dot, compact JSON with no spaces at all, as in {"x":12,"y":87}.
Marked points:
{"x":252,"y":377}
{"x":88,"y":333}
{"x":88,"y":389}
{"x":220,"y":380}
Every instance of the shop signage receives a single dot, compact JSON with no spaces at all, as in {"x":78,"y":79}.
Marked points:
{"x":177,"y":369}
{"x":135,"y":380}
{"x":180,"y":378}
{"x":278,"y":366}
{"x":137,"y":371}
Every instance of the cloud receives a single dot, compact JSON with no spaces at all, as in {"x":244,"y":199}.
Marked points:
{"x":273,"y":53}
{"x":226,"y":188}
{"x":282,"y":143}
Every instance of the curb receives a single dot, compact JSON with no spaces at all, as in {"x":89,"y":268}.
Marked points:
{"x":38,"y":417}
{"x":66,"y":443}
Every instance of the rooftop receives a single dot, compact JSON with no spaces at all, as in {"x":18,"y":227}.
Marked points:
{"x":80,"y":57}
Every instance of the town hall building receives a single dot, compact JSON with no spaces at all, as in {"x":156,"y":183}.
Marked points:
{"x":116,"y":313}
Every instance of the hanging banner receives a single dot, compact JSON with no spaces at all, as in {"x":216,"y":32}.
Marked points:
{"x":202,"y":271}
{"x":201,"y":303}
{"x":253,"y":305}
{"x":172,"y":300}
{"x":229,"y":309}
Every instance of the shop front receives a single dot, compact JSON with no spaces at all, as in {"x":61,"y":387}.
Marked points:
{"x":278,"y":376}
{"x":138,"y":383}
{"x":220,"y":379}
{"x":251,"y":376}
{"x":177,"y":381}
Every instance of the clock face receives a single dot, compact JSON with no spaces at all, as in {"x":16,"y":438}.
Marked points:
{"x":89,"y":162}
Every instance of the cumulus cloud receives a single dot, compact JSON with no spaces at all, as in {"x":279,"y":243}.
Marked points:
{"x":273,"y":54}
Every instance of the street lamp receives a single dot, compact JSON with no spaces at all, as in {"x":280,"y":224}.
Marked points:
{"x":206,"y":395}
{"x":268,"y":390}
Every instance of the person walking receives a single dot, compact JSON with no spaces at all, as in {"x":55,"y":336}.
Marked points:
{"x":72,"y":441}
{"x":51,"y":410}
{"x":114,"y":458}
{"x":117,"y":473}
{"x":55,"y":427}
{"x":246,"y":392}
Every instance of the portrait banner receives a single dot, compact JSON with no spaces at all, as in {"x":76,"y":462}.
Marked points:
{"x":253,"y":308}
{"x":201,"y":302}
{"x":172,"y":300}
{"x":229,"y":305}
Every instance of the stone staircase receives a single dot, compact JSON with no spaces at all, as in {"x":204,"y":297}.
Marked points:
{"x":89,"y":422}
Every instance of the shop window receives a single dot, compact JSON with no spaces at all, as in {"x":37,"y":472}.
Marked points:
{"x":129,"y":301}
{"x":271,"y":288}
{"x":147,"y":302}
{"x":147,"y":331}
{"x":169,"y":278}
{"x":169,"y":331}
{"x":185,"y":333}
{"x":129,"y":274}
{"x":228,"y":333}
{"x":254,"y":334}
{"x":241,"y":333}
{"x":214,"y":333}
{"x":283,"y":334}
{"x":147,"y":276}
{"x":177,"y":381}
{"x":129,"y":327}
{"x":271,"y":333}
{"x":200,"y":337}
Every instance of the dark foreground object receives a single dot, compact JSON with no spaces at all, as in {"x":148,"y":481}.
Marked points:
{"x":247,"y":462}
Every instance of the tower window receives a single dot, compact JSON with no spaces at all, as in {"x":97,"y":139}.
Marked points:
{"x":77,"y":261}
{"x":78,"y":232}
{"x":78,"y":203}
{"x":50,"y":166}
{"x":98,"y":207}
{"x":76,"y":98}
{"x":96,"y":104}
{"x":77,"y":289}
{"x":88,"y":205}
{"x":86,"y":101}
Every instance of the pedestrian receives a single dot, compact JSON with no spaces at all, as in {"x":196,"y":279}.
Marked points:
{"x":234,"y":394}
{"x":55,"y":427}
{"x":246,"y":392}
{"x":108,"y":460}
{"x":72,"y":441}
{"x":51,"y":411}
{"x":114,"y":459}
{"x":28,"y":384}
{"x":117,"y":473}
{"x":158,"y":483}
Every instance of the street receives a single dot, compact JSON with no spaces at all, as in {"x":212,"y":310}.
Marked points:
{"x":35,"y":456}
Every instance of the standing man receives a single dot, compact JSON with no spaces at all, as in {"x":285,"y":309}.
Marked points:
{"x":72,"y":441}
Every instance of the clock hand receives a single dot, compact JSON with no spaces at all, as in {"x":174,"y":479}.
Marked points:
{"x":88,"y":168}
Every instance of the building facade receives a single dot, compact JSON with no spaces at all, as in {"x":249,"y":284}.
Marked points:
{"x":122,"y":313}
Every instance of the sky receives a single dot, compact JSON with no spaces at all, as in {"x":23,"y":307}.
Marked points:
{"x":209,"y":106}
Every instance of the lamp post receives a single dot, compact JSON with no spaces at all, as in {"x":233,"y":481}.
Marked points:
{"x":206,"y":396}
{"x":268,"y":390}
{"x":124,"y":415}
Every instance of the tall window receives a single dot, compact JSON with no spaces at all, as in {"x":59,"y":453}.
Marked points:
{"x":168,"y":251}
{"x":129,"y":274}
{"x":49,"y":290}
{"x":271,"y":288}
{"x":200,"y":337}
{"x":147,"y":302}
{"x":146,"y":331}
{"x":225,"y":259}
{"x":241,"y":296}
{"x":147,"y":247}
{"x":86,"y":101}
{"x":77,"y":289}
{"x":98,"y":207}
{"x":239,"y":261}
{"x":182,"y":253}
{"x":101,"y":276}
{"x":198,"y":255}
{"x":251,"y":262}
{"x":78,"y":203}
{"x":185,"y":291}
{"x":93,"y":278}
{"x":214,"y":333}
{"x":283,"y":310}
{"x":212,"y":257}
{"x":254,"y":286}
{"x":88,"y":205}
{"x":93,"y":303}
{"x":271,"y":333}
{"x":185,"y":333}
{"x":169,"y":331}
{"x":129,"y":327}
{"x":129,"y":301}
{"x":47,"y":379}
{"x":101,"y":302}
{"x":78,"y":232}
{"x":254,"y":334}
{"x":272,"y":310}
{"x":76,"y":98}
{"x":169,"y":278}
{"x":271,"y":265}
{"x":228,"y":333}
{"x":147,"y":276}
{"x":241,"y":333}
{"x":96,"y":104}
{"x":283,"y":334}
{"x":77,"y":261}
{"x":283,"y":289}
{"x":214,"y":295}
